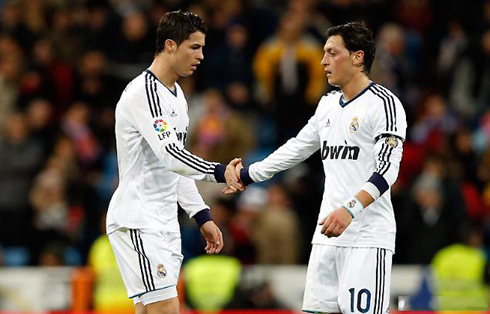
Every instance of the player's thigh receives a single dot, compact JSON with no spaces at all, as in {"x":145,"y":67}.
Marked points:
{"x":365,"y":281}
{"x":148,"y":262}
{"x":170,"y":306}
{"x":321,"y":289}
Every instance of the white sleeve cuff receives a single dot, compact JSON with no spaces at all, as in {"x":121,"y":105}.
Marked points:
{"x":372,"y":190}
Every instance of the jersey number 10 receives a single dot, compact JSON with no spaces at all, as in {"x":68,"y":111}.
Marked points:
{"x":360,"y":297}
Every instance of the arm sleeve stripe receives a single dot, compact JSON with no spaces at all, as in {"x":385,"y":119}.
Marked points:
{"x":168,"y":149}
{"x":177,"y":153}
{"x":391,"y":100}
{"x":385,"y":170}
{"x":148,"y":96}
{"x":385,"y":160}
{"x":379,"y":182}
{"x":391,"y":103}
{"x":381,"y":153}
{"x":387,"y":105}
{"x":153,"y":96}
{"x":156,"y":95}
{"x":197,"y":159}
{"x":388,"y":94}
{"x":180,"y":153}
{"x":192,"y":158}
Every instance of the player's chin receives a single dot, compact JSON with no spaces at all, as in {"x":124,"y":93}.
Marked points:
{"x":332,"y":82}
{"x":186,"y":74}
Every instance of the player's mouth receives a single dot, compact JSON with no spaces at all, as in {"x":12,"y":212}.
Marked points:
{"x":194,"y":66}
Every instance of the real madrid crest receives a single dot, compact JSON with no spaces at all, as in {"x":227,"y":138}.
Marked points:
{"x":354,"y":125}
{"x":352,"y":204}
{"x":161,"y":271}
{"x":392,"y":141}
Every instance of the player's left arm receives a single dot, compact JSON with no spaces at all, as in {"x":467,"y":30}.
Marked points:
{"x":191,"y":201}
{"x":389,"y":129}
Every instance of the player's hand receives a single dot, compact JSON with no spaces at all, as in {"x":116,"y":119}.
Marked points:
{"x":213,"y":237}
{"x":335,"y":223}
{"x":232,"y":176}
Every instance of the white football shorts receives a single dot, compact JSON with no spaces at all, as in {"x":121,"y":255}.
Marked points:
{"x":348,"y":280}
{"x":149,"y":263}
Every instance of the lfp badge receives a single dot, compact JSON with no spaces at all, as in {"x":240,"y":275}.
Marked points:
{"x":160,"y":125}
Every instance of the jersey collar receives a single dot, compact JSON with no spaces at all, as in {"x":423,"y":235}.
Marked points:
{"x":174,"y":92}
{"x":344,"y":103}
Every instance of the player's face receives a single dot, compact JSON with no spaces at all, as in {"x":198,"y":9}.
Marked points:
{"x":189,"y":54}
{"x":338,"y":62}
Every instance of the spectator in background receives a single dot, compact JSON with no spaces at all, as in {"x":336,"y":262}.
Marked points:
{"x":100,"y":24}
{"x":391,"y":67}
{"x":66,"y":32}
{"x":42,"y":124}
{"x":54,"y":72}
{"x":276,"y":233}
{"x":220,"y":134}
{"x":76,"y":126}
{"x":229,"y":67}
{"x":435,"y":210}
{"x":459,"y":272}
{"x":93,"y":84}
{"x":452,"y":47}
{"x":12,"y":23}
{"x":288,"y":74}
{"x":436,"y":123}
{"x":50,"y":204}
{"x":11,"y":70}
{"x":20,"y":159}
{"x":469,"y":92}
{"x":131,"y":51}
{"x":250,"y":203}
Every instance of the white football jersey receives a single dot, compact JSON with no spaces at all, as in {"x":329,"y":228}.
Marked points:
{"x":155,"y":171}
{"x":360,"y":141}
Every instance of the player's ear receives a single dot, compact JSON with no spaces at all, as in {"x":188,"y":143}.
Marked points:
{"x":170,"y":45}
{"x":358,"y":58}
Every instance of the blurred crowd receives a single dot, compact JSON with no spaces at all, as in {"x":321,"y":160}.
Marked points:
{"x":64,"y":63}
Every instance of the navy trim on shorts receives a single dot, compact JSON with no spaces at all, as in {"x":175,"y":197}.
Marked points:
{"x":139,"y":295}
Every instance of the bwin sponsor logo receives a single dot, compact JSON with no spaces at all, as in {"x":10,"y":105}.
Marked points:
{"x":181,"y":136}
{"x":340,"y":151}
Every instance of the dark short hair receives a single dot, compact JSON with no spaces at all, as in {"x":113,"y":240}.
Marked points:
{"x":178,"y":26}
{"x":357,"y":37}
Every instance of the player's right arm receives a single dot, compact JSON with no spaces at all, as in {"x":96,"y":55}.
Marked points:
{"x":156,"y":128}
{"x":293,"y":152}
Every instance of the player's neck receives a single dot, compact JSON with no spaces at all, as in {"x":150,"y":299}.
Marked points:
{"x":355,"y":86}
{"x":163,"y":71}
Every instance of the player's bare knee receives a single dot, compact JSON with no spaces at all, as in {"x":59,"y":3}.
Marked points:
{"x":140,"y":308}
{"x":170,"y":306}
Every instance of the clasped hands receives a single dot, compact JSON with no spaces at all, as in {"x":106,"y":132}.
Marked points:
{"x":232,"y":177}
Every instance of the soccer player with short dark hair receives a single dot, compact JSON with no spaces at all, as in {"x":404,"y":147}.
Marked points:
{"x":156,"y":171}
{"x":359,"y":131}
